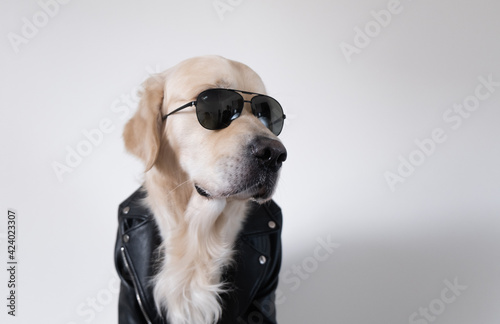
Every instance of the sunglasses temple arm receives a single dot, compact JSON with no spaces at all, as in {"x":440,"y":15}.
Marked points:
{"x":278,"y":120}
{"x":189,"y":104}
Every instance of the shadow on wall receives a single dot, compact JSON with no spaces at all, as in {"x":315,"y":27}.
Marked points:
{"x":448,"y":276}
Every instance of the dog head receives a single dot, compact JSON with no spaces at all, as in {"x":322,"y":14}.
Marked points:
{"x":241,"y":161}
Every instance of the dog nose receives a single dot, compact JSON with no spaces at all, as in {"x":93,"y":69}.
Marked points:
{"x":271,"y":153}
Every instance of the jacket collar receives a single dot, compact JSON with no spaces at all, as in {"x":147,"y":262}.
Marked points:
{"x":137,"y":250}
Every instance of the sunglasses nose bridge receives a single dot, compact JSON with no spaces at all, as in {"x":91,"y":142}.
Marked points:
{"x":245,"y":102}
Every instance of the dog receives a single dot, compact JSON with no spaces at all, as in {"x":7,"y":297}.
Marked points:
{"x":203,"y":169}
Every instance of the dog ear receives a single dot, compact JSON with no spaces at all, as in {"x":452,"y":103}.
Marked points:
{"x":142,"y":133}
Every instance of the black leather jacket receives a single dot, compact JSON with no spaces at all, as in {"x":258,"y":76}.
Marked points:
{"x":253,"y":278}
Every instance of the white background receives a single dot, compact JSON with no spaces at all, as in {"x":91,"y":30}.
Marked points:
{"x":348,"y":125}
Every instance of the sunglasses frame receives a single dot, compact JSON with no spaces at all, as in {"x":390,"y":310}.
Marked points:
{"x":193,"y":104}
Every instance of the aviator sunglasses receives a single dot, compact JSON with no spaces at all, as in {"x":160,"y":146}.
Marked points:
{"x":217,"y":108}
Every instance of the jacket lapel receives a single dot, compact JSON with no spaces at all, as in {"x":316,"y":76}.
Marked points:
{"x":253,"y":259}
{"x":139,"y":239}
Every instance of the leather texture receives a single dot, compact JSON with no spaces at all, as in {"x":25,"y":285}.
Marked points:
{"x":252,"y":281}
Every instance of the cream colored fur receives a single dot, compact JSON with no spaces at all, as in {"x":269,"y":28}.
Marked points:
{"x":198,"y":233}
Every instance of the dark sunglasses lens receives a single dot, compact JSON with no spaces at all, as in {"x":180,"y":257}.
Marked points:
{"x":269,"y":112}
{"x":217,"y":108}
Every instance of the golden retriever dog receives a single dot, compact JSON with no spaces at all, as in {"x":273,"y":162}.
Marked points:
{"x":203,"y":167}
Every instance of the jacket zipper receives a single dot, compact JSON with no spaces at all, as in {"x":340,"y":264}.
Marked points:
{"x":137,"y":296}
